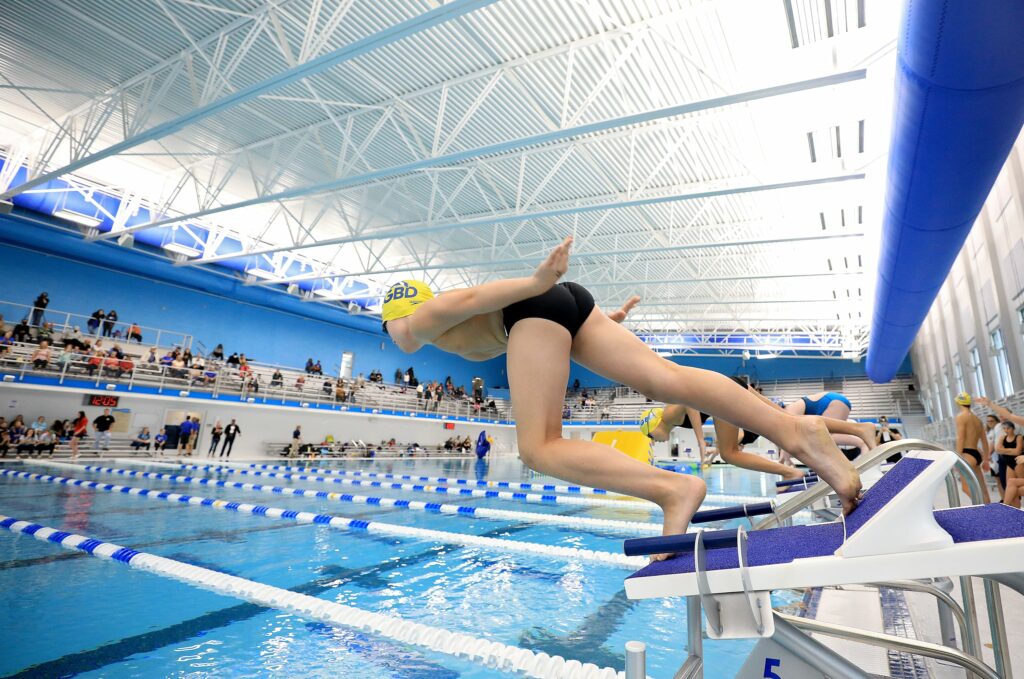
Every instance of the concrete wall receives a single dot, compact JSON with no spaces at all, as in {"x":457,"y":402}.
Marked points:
{"x":983,"y":295}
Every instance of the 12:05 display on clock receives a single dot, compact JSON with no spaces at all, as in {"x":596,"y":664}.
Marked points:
{"x":102,"y":400}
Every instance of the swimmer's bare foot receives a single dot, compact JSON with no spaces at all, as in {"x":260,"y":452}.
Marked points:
{"x":793,"y":474}
{"x":866,"y":433}
{"x":680,"y":502}
{"x":815,"y":447}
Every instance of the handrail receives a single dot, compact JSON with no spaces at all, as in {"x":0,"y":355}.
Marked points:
{"x":944,"y":598}
{"x":806,"y":498}
{"x":930,"y":650}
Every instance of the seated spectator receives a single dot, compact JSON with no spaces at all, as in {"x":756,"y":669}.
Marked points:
{"x":168,"y":358}
{"x":22,"y":332}
{"x":41,"y":356}
{"x":134,"y":333}
{"x":151,"y":357}
{"x":255,"y":383}
{"x":112,"y":366}
{"x":209,"y":373}
{"x":327,"y":387}
{"x":15,"y":433}
{"x":45,"y":332}
{"x":340,"y":394}
{"x":109,"y":321}
{"x":300,"y":383}
{"x":65,"y":358}
{"x":26,"y":443}
{"x":318,"y":369}
{"x":95,"y":362}
{"x":75,"y":338}
{"x":187,"y":357}
{"x":142,"y":439}
{"x":6,"y":341}
{"x":218,"y":353}
{"x":309,"y":366}
{"x":178,"y":368}
{"x":160,"y":440}
{"x":277,"y":379}
{"x":233,"y":359}
{"x":117,"y":352}
{"x":46,"y":442}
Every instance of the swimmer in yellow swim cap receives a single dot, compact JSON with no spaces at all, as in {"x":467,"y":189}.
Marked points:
{"x":541,"y":325}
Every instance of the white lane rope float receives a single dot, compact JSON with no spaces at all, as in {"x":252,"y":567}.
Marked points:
{"x":510,"y":485}
{"x":345,"y":523}
{"x":484,"y":651}
{"x":582,"y":522}
{"x":625,"y":503}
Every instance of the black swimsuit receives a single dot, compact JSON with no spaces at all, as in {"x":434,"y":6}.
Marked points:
{"x":973,"y":453}
{"x":748,"y":436}
{"x":568,"y":304}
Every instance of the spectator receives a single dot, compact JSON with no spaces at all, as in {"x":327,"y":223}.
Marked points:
{"x":151,"y":357}
{"x":22,"y":332}
{"x":318,"y":369}
{"x":142,"y":440}
{"x":178,"y":368}
{"x":184,"y":434}
{"x":60,"y":430}
{"x":168,"y":358}
{"x":101,"y":425}
{"x":6,"y":342}
{"x":26,"y":443}
{"x":15,"y":432}
{"x":75,"y":338}
{"x":360,"y":382}
{"x":398,"y":376}
{"x":65,"y":358}
{"x":233,"y":359}
{"x":109,"y":321}
{"x":95,"y":321}
{"x":187,"y":357}
{"x":45,"y":332}
{"x":39,"y":307}
{"x":254,"y":383}
{"x":327,"y":387}
{"x":243,"y":362}
{"x":340,"y":394}
{"x":39,"y":425}
{"x":478,"y":389}
{"x":218,"y":353}
{"x":193,"y":437}
{"x":46,"y":442}
{"x":5,"y":441}
{"x":309,"y":365}
{"x":41,"y":356}
{"x":300,"y":383}
{"x":230,"y":432}
{"x":277,"y":379}
{"x":135,"y":332}
{"x":215,"y":434}
{"x":79,"y":428}
{"x":419,"y":392}
{"x":160,"y":441}
{"x":95,"y":362}
{"x":296,"y":441}
{"x":576,"y":384}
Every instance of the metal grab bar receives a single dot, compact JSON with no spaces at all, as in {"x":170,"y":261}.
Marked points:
{"x":944,"y":599}
{"x":930,"y":650}
{"x":806,"y":498}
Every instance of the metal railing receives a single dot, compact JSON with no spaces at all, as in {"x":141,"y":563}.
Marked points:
{"x":64,"y":323}
{"x":967,"y":618}
{"x":107,"y":373}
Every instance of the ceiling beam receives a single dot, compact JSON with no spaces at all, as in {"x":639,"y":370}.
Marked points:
{"x":511,"y":145}
{"x":446,"y":12}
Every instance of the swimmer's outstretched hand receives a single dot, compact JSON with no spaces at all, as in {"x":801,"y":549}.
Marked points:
{"x":619,"y":315}
{"x":554,"y":267}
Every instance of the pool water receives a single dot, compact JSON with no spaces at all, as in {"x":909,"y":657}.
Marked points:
{"x":68,"y":614}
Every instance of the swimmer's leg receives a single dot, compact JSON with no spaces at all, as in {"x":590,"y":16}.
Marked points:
{"x":538,"y":371}
{"x":849,"y":441}
{"x":728,"y":447}
{"x":607,"y":348}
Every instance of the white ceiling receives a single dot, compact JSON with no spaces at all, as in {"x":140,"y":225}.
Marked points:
{"x":456,"y":153}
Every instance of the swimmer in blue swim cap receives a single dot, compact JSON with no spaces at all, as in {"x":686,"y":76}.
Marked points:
{"x":541,"y":324}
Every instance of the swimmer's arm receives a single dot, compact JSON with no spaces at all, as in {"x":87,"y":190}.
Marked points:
{"x":1003,"y":413}
{"x":444,"y":312}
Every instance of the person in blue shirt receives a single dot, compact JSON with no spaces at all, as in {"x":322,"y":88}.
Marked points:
{"x":185,"y":435}
{"x":160,"y":441}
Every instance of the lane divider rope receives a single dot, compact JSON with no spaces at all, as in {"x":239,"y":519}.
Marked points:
{"x":625,"y":503}
{"x":632,"y":527}
{"x":512,"y":485}
{"x":345,"y":523}
{"x":485,"y":651}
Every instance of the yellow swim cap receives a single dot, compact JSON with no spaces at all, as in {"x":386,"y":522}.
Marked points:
{"x":403,"y":298}
{"x":963,"y":398}
{"x":650,"y":420}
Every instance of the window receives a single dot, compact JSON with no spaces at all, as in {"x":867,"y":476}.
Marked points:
{"x":1001,"y":366}
{"x":979,"y":378}
{"x":958,"y":374}
{"x":944,"y":396}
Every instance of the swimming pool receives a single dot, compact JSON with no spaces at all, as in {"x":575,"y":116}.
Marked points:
{"x":68,"y":614}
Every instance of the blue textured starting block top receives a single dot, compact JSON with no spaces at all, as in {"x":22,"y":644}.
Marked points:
{"x":784,"y":545}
